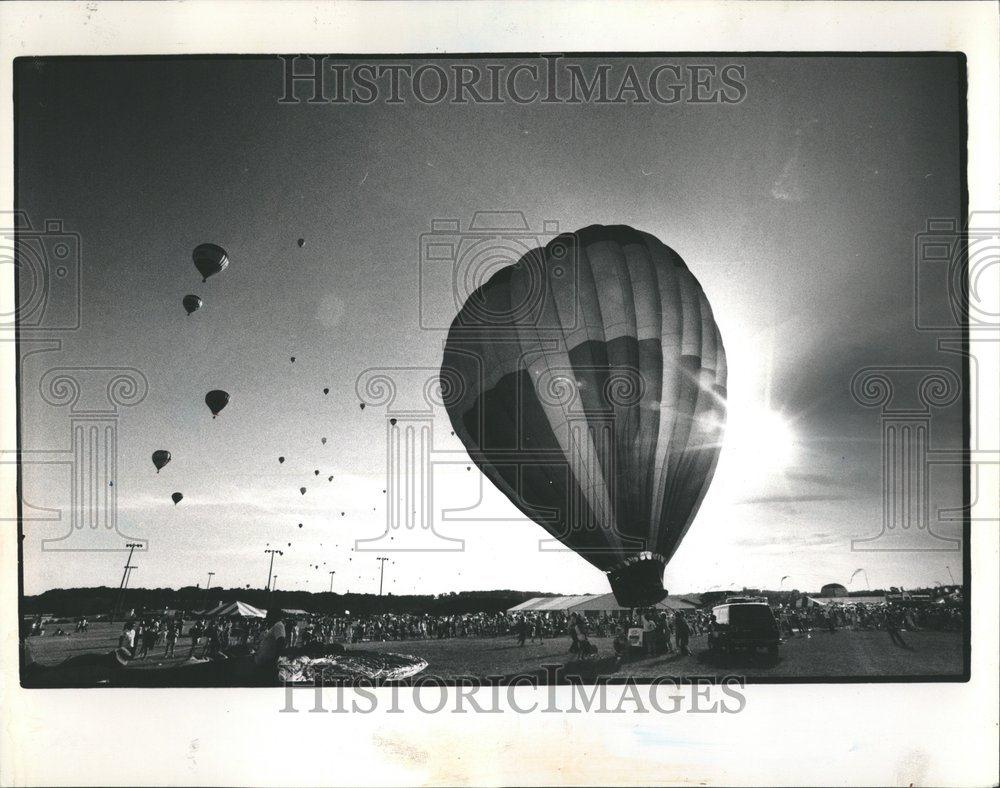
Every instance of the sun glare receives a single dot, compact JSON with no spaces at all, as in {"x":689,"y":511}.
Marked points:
{"x":761,"y":443}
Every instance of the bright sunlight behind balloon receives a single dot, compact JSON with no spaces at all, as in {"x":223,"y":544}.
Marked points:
{"x":760,"y":442}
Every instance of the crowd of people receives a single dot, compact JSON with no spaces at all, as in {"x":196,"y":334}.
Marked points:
{"x":662,"y":631}
{"x":866,"y":616}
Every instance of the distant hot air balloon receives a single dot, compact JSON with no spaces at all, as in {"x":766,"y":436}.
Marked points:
{"x":302,"y":490}
{"x":216,"y":400}
{"x":392,"y":422}
{"x":177,"y":498}
{"x":191,"y":304}
{"x":326,"y":391}
{"x":293,"y":359}
{"x":610,"y":326}
{"x":362,"y":405}
{"x":209,"y":259}
{"x":300,"y":525}
{"x":316,"y":472}
{"x":160,"y":458}
{"x":329,"y":479}
{"x":301,"y":242}
{"x":323,"y":441}
{"x":281,"y":459}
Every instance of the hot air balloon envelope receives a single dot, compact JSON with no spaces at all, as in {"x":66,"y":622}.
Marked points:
{"x":191,"y":303}
{"x":209,"y":259}
{"x":216,"y":400}
{"x":160,"y":458}
{"x":604,"y":346}
{"x":176,"y":498}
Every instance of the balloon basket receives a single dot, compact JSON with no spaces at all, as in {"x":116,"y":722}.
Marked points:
{"x":638,"y":582}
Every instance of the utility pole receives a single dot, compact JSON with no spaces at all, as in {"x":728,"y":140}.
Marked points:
{"x":121,"y":586}
{"x":128,"y":576}
{"x":950,"y":575}
{"x":381,"y":573}
{"x":331,"y":581}
{"x":274,"y":582}
{"x":270,"y":569}
{"x":208,"y":586}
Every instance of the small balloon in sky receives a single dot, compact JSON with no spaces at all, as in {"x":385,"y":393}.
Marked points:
{"x":392,"y":422}
{"x":301,"y":242}
{"x":160,"y":458}
{"x":177,"y":498}
{"x":216,"y":400}
{"x":323,"y":441}
{"x":329,"y":479}
{"x":316,"y":472}
{"x":326,"y":391}
{"x":342,"y":514}
{"x":191,"y":304}
{"x":302,"y":490}
{"x":209,"y":259}
{"x":362,"y":405}
{"x":293,"y":359}
{"x":281,"y":459}
{"x":300,"y":525}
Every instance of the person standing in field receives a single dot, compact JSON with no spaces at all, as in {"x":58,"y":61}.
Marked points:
{"x":171,"y":639}
{"x":893,"y":622}
{"x":682,"y":632}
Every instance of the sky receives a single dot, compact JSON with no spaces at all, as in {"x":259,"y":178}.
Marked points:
{"x":796,"y":208}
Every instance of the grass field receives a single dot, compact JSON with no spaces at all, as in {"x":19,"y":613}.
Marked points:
{"x":822,"y":655}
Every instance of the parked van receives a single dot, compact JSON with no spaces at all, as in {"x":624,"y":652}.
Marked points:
{"x":744,"y":625}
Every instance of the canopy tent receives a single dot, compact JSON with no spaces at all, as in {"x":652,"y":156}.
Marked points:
{"x":238,"y":609}
{"x":294,"y":612}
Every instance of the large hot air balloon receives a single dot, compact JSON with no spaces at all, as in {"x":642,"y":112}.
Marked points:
{"x":191,"y":304}
{"x":588,"y":383}
{"x":177,"y":498}
{"x":209,"y":259}
{"x":160,"y":458}
{"x":216,"y":400}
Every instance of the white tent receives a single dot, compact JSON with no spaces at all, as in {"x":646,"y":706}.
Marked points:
{"x":239,"y":609}
{"x":593,"y":603}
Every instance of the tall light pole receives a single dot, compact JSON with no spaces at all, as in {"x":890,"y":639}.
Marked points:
{"x":274,"y":583}
{"x":208,"y":587}
{"x":128,"y":576}
{"x":381,"y":573}
{"x":121,"y":586}
{"x":331,"y":581}
{"x":270,"y":568}
{"x":950,"y":575}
